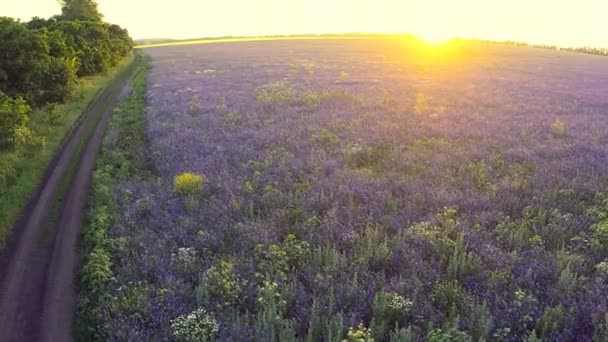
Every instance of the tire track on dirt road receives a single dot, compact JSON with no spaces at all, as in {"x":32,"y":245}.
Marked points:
{"x":37,"y":273}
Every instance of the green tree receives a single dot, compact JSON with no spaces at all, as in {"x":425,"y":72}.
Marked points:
{"x":13,"y":118}
{"x":80,"y":10}
{"x":22,"y":53}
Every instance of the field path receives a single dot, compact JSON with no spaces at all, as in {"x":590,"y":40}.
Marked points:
{"x":37,"y":267}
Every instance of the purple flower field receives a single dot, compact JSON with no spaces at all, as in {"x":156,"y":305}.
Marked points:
{"x":365,"y":189}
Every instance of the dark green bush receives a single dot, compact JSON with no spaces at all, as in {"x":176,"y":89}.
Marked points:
{"x":13,"y":119}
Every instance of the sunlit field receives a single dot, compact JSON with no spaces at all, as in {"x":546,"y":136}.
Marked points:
{"x":385,"y":189}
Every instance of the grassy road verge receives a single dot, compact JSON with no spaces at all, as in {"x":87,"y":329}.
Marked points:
{"x":121,"y":157}
{"x":23,"y":170}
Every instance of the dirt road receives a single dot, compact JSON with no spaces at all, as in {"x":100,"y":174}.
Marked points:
{"x":37,"y":267}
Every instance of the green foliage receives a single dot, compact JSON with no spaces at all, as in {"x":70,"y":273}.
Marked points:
{"x":325,"y":139}
{"x":551,"y":321}
{"x":481,"y":322}
{"x":461,"y":262}
{"x":80,"y":10}
{"x":96,"y":45}
{"x":270,"y":298}
{"x":188,"y":183}
{"x":56,"y":79}
{"x":372,"y":248}
{"x":329,"y":326}
{"x":480,"y":177}
{"x":566,"y":284}
{"x":13,"y":120}
{"x":537,"y":227}
{"x":186,"y":259}
{"x":369,"y":157}
{"x":359,"y":334}
{"x":447,"y":219}
{"x":451,"y":334}
{"x":24,"y":54}
{"x":98,"y":247}
{"x":223,"y":283}
{"x":600,"y":328}
{"x":402,"y":335}
{"x":275,"y":261}
{"x":327,"y":259}
{"x":599,"y":230}
{"x":450,"y":297}
{"x":52,"y":113}
{"x":310,"y":99}
{"x":197,"y":326}
{"x":274,"y":93}
{"x":39,"y":61}
{"x":388,"y":308}
{"x":233,"y":119}
{"x":558,"y":128}
{"x":194,"y":106}
{"x":491,"y":174}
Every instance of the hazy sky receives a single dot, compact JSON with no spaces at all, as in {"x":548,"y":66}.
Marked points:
{"x":561,"y":22}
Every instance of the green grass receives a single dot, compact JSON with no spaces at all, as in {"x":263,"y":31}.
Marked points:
{"x":27,"y":166}
{"x":115,"y":87}
{"x":120,"y":157}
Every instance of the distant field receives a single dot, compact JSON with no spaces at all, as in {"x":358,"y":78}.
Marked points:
{"x":446,"y":194}
{"x":172,"y":42}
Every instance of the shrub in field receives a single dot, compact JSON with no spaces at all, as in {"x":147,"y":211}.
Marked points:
{"x":194,"y":106}
{"x":275,"y":261}
{"x":388,"y":308}
{"x":185,"y":260}
{"x":402,"y":335}
{"x":449,"y":334}
{"x":189,"y":183}
{"x":481,"y":322}
{"x":222,"y":283}
{"x":369,"y":157}
{"x":270,"y":297}
{"x":14,"y":116}
{"x":566,"y":284}
{"x":461,"y":263}
{"x":274,"y":93}
{"x":197,"y":326}
{"x":558,"y":128}
{"x":450,"y":297}
{"x":233,"y":119}
{"x":295,"y":250}
{"x":325,"y":139}
{"x":344,"y":75}
{"x":599,"y":230}
{"x":359,"y":334}
{"x":372,"y":248}
{"x":551,"y":322}
{"x":310,"y":99}
{"x":537,"y":227}
{"x":323,"y":326}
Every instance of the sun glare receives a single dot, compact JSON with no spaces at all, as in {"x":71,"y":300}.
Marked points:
{"x":433,"y":38}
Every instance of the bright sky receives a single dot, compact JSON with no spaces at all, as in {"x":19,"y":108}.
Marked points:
{"x":560,"y":22}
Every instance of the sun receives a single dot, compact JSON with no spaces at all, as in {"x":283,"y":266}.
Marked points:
{"x":433,"y":38}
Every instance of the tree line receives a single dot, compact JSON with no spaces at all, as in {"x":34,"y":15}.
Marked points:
{"x":42,"y":60}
